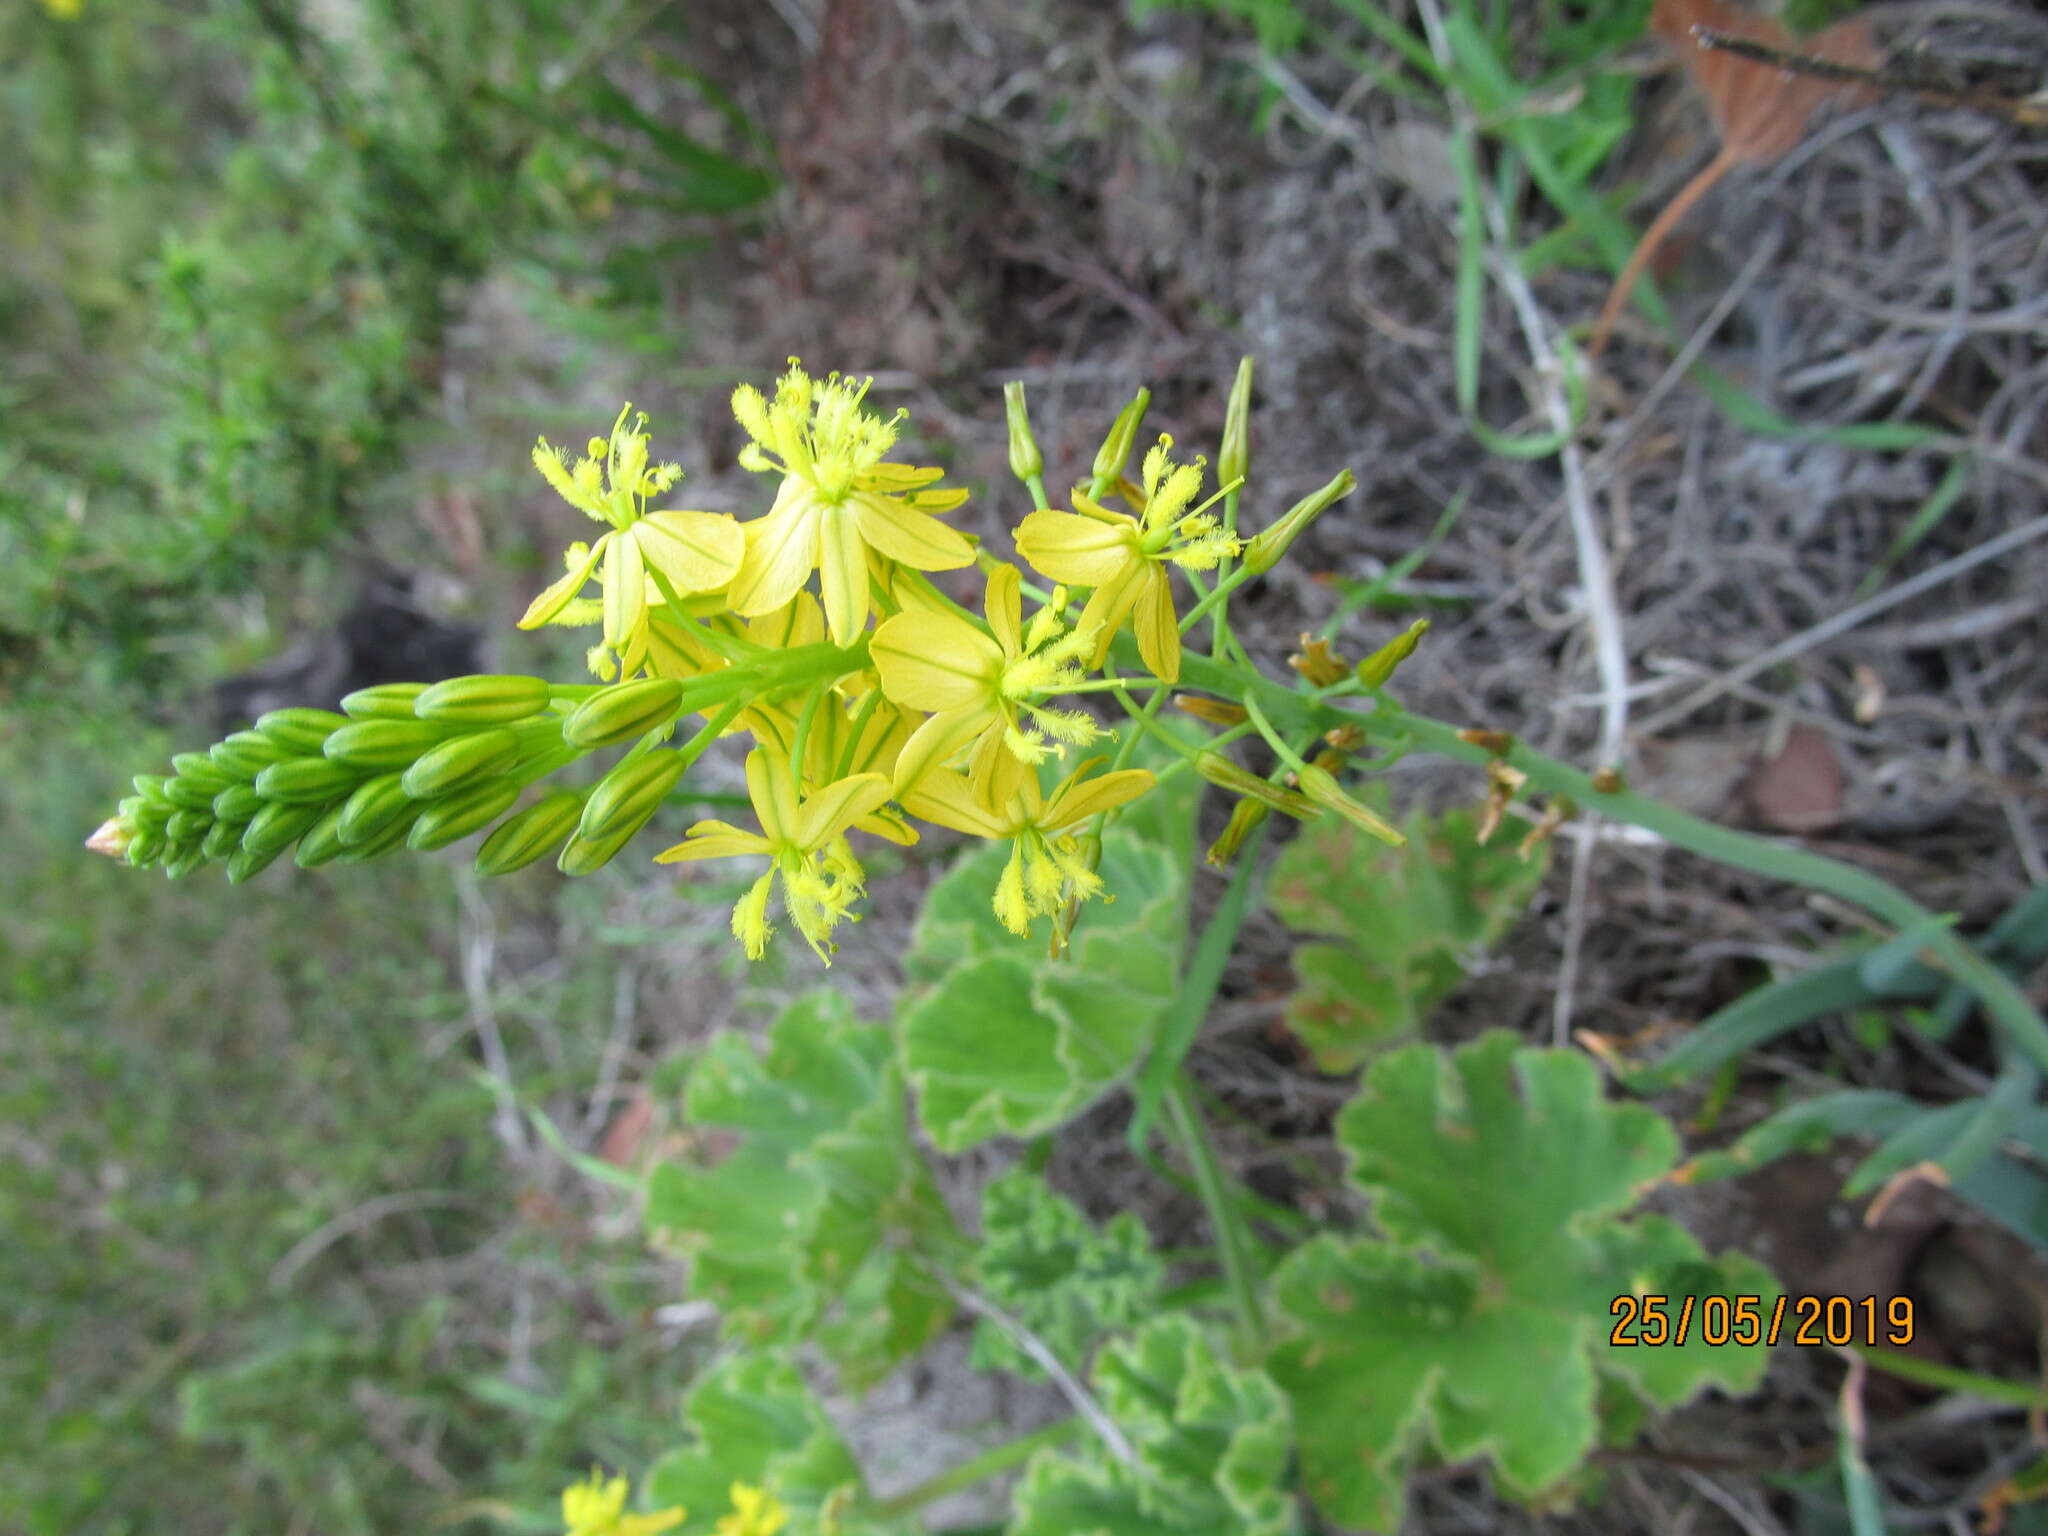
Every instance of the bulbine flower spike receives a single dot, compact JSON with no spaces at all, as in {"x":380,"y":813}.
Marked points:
{"x":983,"y":689}
{"x":838,"y":499}
{"x":867,"y":698}
{"x":1048,"y":867}
{"x":1124,"y":558}
{"x":805,"y":837}
{"x":691,"y":551}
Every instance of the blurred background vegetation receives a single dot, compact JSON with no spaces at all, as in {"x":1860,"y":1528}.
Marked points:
{"x":266,"y":1267}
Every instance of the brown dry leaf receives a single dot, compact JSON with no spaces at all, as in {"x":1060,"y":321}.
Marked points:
{"x":1800,"y":789}
{"x":1759,"y":112}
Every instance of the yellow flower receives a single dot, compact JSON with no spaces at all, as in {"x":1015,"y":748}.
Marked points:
{"x":597,"y":1508}
{"x":983,"y":690}
{"x":805,"y":836}
{"x":837,"y":500}
{"x":1046,"y":868}
{"x":1124,"y":558}
{"x":755,"y":1512}
{"x":64,"y":10}
{"x":694,"y":551}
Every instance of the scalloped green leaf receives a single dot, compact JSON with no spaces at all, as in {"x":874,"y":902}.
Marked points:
{"x":1498,"y":1174}
{"x":1064,"y":1278}
{"x":754,"y":1421}
{"x":1008,"y":1043}
{"x":1209,"y":1443}
{"x":807,"y":1216}
{"x":1394,"y":926}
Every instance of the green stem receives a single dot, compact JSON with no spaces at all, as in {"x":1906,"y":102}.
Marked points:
{"x":978,"y":1469}
{"x":1233,"y":1242}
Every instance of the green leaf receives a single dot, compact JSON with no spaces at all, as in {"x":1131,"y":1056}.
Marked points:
{"x":820,"y":1202}
{"x":1209,"y":1441}
{"x":1065,"y":1279}
{"x":756,"y":1422}
{"x":1395,"y":924}
{"x":1010,"y":1044}
{"x":1498,"y":1174}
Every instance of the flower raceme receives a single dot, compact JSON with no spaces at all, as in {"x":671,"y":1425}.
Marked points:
{"x":867,"y":696}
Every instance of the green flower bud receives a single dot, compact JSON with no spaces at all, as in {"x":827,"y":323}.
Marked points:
{"x":629,"y":795}
{"x":278,"y":825}
{"x":1225,"y":774}
{"x":489,"y":699}
{"x":300,"y":730}
{"x":451,"y":818}
{"x":390,"y":840}
{"x":198,"y":768}
{"x":246,"y":754}
{"x":382,"y":743}
{"x":306,"y":781}
{"x":583,"y":856}
{"x":533,"y":834}
{"x":150,"y":786}
{"x":222,"y":839}
{"x":180,"y":859}
{"x":1264,"y":552}
{"x":1234,"y":457}
{"x":460,"y":762}
{"x":237,"y":803}
{"x":188,"y":826}
{"x":1026,"y":462}
{"x":386,"y":701}
{"x":1320,"y":787}
{"x":373,"y":807}
{"x":1377,"y":668}
{"x":620,"y":713}
{"x":1115,"y":451}
{"x":189,"y":794}
{"x":145,"y":847}
{"x":322,"y":844}
{"x":244,"y":864}
{"x":150,"y":814}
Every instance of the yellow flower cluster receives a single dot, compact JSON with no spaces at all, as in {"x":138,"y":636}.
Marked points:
{"x":879,"y":696}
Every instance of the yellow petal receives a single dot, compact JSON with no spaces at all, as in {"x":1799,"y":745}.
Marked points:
{"x":1004,"y":606}
{"x":696,"y":551}
{"x":1075,"y":549}
{"x":888,"y":826}
{"x":625,"y":592}
{"x":782,"y":548}
{"x":891,"y":478}
{"x":773,"y":792}
{"x":1110,"y":604}
{"x":918,"y":539}
{"x":557,"y":596}
{"x":946,"y":799}
{"x":842,"y":575}
{"x":1078,"y":799}
{"x":1158,"y":628}
{"x":935,"y":742}
{"x":797,"y":622}
{"x":996,"y":772}
{"x":934,"y":661}
{"x":714,"y":840}
{"x":837,"y":806}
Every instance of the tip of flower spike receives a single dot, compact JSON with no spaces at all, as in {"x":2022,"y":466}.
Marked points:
{"x":111,"y":838}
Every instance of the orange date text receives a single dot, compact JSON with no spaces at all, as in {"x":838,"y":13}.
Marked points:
{"x":1838,"y":1321}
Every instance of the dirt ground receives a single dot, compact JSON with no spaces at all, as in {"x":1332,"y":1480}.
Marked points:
{"x":1052,"y":192}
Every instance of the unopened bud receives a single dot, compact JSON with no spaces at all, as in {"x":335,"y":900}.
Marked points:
{"x":1245,"y":818}
{"x":1225,"y":774}
{"x":1377,"y":668}
{"x":111,"y":838}
{"x":1116,"y":448}
{"x":1323,"y":790}
{"x":1214,"y":711}
{"x":1234,"y":458}
{"x":1026,"y":462}
{"x":1264,"y":552}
